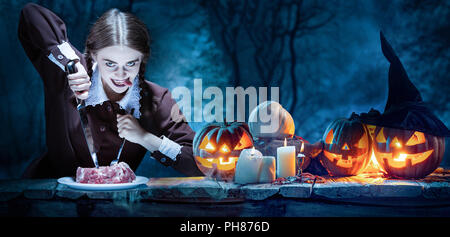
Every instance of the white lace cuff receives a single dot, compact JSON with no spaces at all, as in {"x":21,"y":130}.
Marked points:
{"x":169,"y":148}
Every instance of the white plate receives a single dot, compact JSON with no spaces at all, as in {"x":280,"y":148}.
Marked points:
{"x":69,"y":181}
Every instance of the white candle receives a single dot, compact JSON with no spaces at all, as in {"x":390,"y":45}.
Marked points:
{"x":250,"y":153}
{"x":247,"y":167}
{"x":267,"y":169}
{"x":285,"y":161}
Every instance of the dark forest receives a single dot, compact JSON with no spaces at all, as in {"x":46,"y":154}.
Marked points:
{"x":324,"y":56}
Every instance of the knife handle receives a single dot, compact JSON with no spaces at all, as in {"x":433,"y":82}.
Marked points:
{"x":70,"y":69}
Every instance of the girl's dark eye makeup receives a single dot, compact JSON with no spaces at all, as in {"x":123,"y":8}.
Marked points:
{"x":110,"y":64}
{"x":129,"y":64}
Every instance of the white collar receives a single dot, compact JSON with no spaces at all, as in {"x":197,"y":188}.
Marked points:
{"x":97,"y":95}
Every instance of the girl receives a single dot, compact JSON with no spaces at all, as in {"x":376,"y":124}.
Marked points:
{"x":110,"y":78}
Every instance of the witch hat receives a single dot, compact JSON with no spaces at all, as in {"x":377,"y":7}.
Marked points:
{"x":404,"y":108}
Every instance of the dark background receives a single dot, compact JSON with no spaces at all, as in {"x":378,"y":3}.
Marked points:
{"x":324,"y":55}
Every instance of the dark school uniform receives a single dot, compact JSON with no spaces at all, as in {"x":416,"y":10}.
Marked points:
{"x":44,"y":38}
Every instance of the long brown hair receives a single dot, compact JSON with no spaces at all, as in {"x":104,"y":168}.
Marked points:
{"x":118,"y":28}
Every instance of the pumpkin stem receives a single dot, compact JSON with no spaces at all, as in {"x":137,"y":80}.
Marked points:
{"x":225,"y":122}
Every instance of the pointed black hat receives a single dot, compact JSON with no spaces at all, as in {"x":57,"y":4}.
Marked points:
{"x":404,"y":107}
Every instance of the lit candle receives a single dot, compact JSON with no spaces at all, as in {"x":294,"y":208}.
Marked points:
{"x":247,"y":166}
{"x":285,"y":160}
{"x":250,"y":153}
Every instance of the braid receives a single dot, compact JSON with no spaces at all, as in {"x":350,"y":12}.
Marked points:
{"x":143,"y":93}
{"x":87,"y":56}
{"x":142,"y":70}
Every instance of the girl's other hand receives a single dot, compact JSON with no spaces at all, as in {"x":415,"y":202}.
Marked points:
{"x":129,"y":128}
{"x":79,"y":82}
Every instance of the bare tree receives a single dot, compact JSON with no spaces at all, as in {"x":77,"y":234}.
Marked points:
{"x":229,"y":15}
{"x":274,"y":29}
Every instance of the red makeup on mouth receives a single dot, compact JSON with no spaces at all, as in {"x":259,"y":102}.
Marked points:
{"x":122,"y":83}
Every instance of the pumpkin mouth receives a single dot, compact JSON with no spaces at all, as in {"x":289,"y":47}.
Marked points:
{"x":342,"y":162}
{"x":402,"y":159}
{"x":225,"y":163}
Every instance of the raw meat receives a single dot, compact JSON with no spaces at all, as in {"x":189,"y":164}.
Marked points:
{"x":118,"y":173}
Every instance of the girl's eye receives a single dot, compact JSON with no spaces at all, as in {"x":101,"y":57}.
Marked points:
{"x":130,"y":64}
{"x":109,"y":64}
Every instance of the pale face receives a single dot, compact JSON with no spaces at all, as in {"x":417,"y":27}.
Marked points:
{"x":118,"y":66}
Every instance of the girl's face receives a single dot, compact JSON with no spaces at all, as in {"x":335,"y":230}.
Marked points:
{"x":118,"y":66}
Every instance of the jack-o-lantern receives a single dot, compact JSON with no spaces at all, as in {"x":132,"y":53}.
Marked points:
{"x":408,"y":139}
{"x":346,"y":149}
{"x":407,"y":153}
{"x":217,"y":148}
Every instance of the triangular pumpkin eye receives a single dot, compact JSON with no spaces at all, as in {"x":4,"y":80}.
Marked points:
{"x":206,"y":145}
{"x":363,"y":142}
{"x":245,"y":142}
{"x":380,"y":137}
{"x":345,"y":147}
{"x":416,"y":138}
{"x":329,"y":138}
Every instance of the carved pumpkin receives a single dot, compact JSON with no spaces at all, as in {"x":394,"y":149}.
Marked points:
{"x":217,"y":148}
{"x":406,"y":153}
{"x":346,"y":148}
{"x":270,"y":120}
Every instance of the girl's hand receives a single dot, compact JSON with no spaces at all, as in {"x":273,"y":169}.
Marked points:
{"x":129,"y":128}
{"x":79,"y":82}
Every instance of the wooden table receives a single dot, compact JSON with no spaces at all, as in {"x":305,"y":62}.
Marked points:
{"x":201,"y":197}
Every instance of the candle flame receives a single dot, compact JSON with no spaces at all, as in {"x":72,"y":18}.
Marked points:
{"x":374,"y":163}
{"x":285,"y":142}
{"x":252,"y":151}
{"x":373,"y":172}
{"x":302,"y":148}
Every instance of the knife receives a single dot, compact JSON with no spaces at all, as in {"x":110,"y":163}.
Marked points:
{"x":81,"y":107}
{"x":115,"y":161}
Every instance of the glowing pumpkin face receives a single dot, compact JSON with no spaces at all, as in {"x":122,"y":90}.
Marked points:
{"x":406,"y":153}
{"x":346,"y":148}
{"x":217,"y":148}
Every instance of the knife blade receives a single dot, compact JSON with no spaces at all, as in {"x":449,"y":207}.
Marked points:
{"x":115,"y":161}
{"x":81,"y":107}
